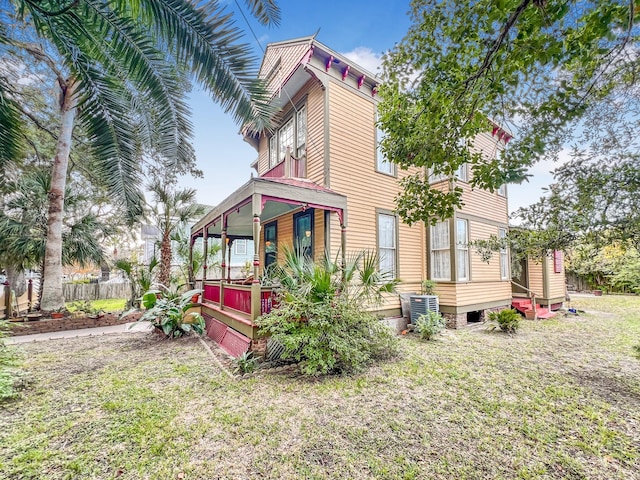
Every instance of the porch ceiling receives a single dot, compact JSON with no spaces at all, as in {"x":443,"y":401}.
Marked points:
{"x":275,"y":197}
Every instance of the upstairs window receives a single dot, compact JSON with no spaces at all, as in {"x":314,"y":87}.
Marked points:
{"x":382,"y":165}
{"x":292,"y":134}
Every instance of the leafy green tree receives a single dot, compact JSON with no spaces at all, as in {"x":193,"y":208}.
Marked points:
{"x":119,"y":69}
{"x":193,"y":270}
{"x":537,"y":68}
{"x":172,"y":209}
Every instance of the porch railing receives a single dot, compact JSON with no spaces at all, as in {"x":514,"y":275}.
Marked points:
{"x":238,"y":298}
{"x":289,"y":167}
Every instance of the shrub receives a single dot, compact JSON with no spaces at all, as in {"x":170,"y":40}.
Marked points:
{"x":169,"y":313}
{"x":328,"y":337}
{"x":10,"y":375}
{"x":246,"y":363}
{"x":507,"y":320}
{"x":322,"y":321}
{"x":429,"y":325}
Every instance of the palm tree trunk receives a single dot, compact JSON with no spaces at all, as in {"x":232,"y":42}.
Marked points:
{"x":52,"y":297}
{"x":164,"y":277}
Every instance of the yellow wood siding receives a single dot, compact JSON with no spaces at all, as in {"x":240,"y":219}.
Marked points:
{"x":315,"y":133}
{"x":482,"y":271}
{"x":288,"y":55}
{"x":555,"y":281}
{"x":535,"y":277}
{"x":479,"y":293}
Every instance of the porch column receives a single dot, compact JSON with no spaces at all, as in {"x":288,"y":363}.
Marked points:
{"x":256,"y":294}
{"x":190,"y":279}
{"x":223,"y":243}
{"x":205,"y":247}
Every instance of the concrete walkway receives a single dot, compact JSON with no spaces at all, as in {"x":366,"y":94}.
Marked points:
{"x":131,"y":327}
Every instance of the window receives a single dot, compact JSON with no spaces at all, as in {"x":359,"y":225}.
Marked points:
{"x":240,"y":246}
{"x":292,"y":135}
{"x":301,"y":132}
{"x":440,"y":251}
{"x":462,"y":173}
{"x":303,"y":232}
{"x":462,"y":249}
{"x":382,"y":165}
{"x":273,"y":150}
{"x":504,"y":257}
{"x":270,"y":243}
{"x":557,"y":261}
{"x":387,"y":244}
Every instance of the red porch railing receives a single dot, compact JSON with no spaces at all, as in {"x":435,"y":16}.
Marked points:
{"x":237,"y":297}
{"x":296,"y":169}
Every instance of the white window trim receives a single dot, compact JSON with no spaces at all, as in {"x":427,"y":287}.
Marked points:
{"x":381,"y":161}
{"x":442,"y":249}
{"x":236,"y":245}
{"x":394,"y":248}
{"x":504,"y":257}
{"x":463,"y":246}
{"x":299,"y":141}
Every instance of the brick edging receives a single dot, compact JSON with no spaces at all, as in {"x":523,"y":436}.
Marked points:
{"x":48,"y":325}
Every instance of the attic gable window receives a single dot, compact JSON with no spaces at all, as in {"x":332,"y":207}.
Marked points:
{"x":292,"y":134}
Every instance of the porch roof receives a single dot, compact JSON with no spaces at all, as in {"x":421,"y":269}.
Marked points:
{"x":272,"y":197}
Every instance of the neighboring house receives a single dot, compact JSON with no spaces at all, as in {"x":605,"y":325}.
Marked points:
{"x":323,"y":185}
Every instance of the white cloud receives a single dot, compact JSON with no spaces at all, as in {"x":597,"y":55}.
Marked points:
{"x":366,"y":58}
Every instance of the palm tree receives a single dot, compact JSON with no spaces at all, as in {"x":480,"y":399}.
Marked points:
{"x":23,"y":226}
{"x":120,"y":67}
{"x":172,"y":209}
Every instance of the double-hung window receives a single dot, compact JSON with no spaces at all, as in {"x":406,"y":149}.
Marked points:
{"x":504,"y":256}
{"x":382,"y":164}
{"x":387,"y":234}
{"x":292,"y":135}
{"x":462,"y":249}
{"x":440,"y":251}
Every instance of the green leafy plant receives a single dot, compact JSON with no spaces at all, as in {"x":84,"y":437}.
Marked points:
{"x":141,"y":278}
{"x":430,"y":324}
{"x":169,"y":313}
{"x":428,"y":287}
{"x":507,"y":320}
{"x":246,"y":363}
{"x":322,"y":321}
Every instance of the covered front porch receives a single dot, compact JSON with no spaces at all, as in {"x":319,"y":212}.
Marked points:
{"x":270,"y":212}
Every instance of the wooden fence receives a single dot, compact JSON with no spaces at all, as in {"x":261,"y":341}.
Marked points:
{"x":95,"y":291}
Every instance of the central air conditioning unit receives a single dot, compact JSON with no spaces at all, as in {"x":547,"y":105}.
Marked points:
{"x":421,"y":304}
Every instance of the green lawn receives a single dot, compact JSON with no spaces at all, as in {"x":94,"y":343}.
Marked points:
{"x":107,"y":305}
{"x":559,"y":400}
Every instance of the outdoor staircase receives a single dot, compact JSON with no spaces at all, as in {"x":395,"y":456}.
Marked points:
{"x":522,"y":304}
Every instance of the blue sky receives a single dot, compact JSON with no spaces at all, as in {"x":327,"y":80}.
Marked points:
{"x":361,"y":31}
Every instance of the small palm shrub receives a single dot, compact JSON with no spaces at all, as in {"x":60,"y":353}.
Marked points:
{"x":322,"y":320}
{"x":507,"y":320}
{"x":429,"y":325}
{"x":246,"y":363}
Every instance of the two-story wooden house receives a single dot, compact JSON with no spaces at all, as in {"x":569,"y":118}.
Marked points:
{"x":323,"y":184}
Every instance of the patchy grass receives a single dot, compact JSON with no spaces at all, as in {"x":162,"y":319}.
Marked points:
{"x":106,"y":305}
{"x":561,"y":399}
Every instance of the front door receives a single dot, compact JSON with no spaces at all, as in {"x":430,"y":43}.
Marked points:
{"x":303,"y":233}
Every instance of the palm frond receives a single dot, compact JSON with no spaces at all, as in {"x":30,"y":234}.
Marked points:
{"x":266,"y":11}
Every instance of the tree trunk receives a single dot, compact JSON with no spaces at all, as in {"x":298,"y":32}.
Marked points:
{"x":17,"y":280}
{"x":164,"y":277}
{"x":52,"y":296}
